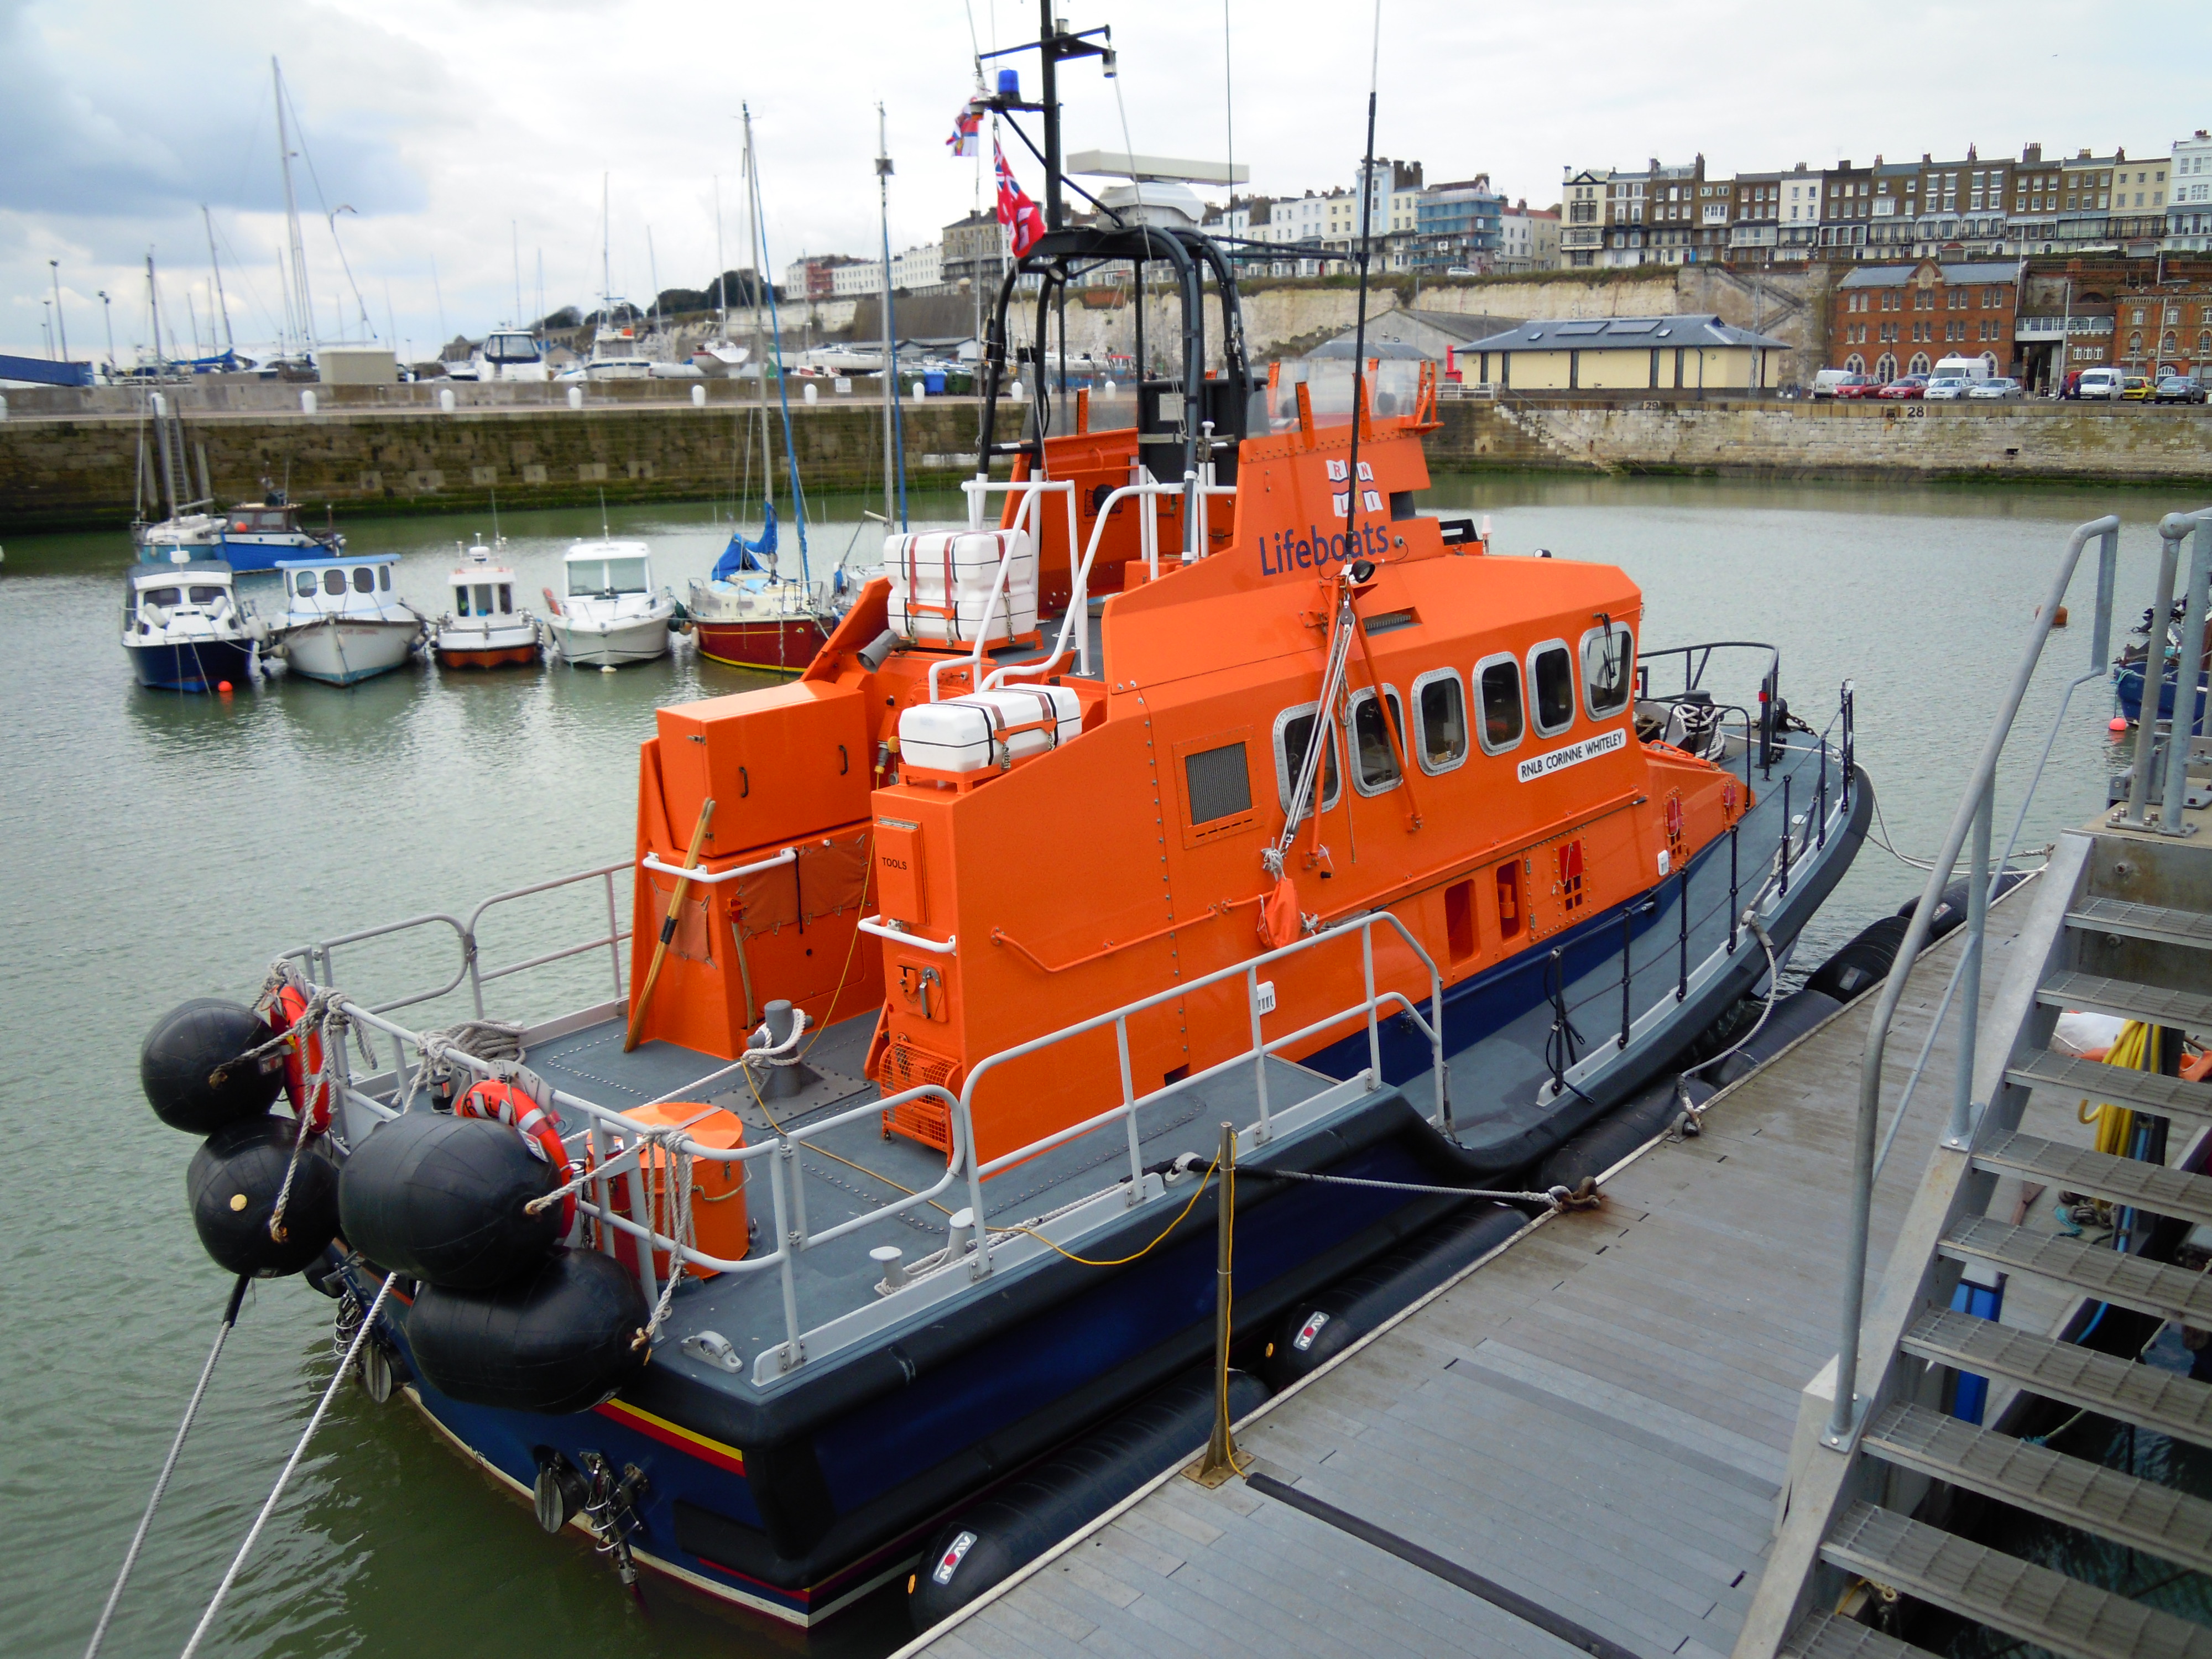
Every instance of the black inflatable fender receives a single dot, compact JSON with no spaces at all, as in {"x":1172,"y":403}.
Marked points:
{"x":445,"y":1200}
{"x":233,"y":1184}
{"x":560,"y":1339}
{"x":991,"y":1539}
{"x":187,"y":1047}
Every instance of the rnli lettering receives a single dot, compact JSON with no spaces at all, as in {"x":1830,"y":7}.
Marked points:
{"x":1287,"y":550}
{"x":1557,"y":760}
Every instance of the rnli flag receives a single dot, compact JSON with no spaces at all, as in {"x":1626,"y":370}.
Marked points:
{"x":1022,"y":218}
{"x":964,"y":129}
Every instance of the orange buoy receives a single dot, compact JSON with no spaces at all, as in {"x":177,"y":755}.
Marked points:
{"x":224,"y":686}
{"x":2117,"y":723}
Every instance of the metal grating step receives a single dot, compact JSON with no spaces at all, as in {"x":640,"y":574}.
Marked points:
{"x":2006,"y":1593}
{"x":2093,"y":993}
{"x":2128,"y":1180}
{"x":2091,"y":1079}
{"x":1828,"y":1636}
{"x":2154,"y":922}
{"x":2142,"y":1395}
{"x":2118,"y":1507}
{"x":2109,"y":1275}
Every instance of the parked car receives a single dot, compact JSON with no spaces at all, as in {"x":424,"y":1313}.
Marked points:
{"x":1868,"y":386}
{"x":1998,"y":387}
{"x":2103,"y":383}
{"x":2136,"y":388}
{"x":1831,"y":382}
{"x":1943,"y":388}
{"x":2178,"y":389}
{"x":1912,"y":385}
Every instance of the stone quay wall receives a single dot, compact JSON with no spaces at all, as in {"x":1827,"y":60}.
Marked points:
{"x":64,"y":473}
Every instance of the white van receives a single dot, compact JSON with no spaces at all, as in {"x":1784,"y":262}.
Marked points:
{"x":2098,"y":383}
{"x":1954,"y":377}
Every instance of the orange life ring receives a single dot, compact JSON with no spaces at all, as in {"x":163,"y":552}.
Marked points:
{"x":503,"y":1102}
{"x":302,"y":1070}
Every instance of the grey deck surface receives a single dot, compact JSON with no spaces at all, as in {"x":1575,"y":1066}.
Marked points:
{"x":1598,"y":1418}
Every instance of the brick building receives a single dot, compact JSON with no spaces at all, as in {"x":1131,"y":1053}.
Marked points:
{"x":1888,"y":320}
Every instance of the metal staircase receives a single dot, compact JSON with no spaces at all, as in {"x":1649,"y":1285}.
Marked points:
{"x":2120,"y":924}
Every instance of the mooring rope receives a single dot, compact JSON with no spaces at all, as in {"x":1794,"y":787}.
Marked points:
{"x":238,"y":1561}
{"x":1556,"y":1198}
{"x":168,"y":1466}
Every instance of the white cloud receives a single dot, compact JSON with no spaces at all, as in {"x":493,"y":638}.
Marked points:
{"x":446,"y":124}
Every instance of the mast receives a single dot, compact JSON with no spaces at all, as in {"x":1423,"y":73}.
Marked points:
{"x":154,"y":312}
{"x":300,"y":295}
{"x":759,"y":350}
{"x":894,"y":460}
{"x":216,"y":266}
{"x":515,"y":240}
{"x":721,"y":265}
{"x":607,"y":278}
{"x":782,"y":386}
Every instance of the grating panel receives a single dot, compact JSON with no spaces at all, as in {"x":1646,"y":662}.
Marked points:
{"x":2148,"y":1091}
{"x":2154,"y":922}
{"x":2093,"y":993}
{"x":2140,"y":1395}
{"x":2110,"y":1275}
{"x":2139,"y":1514}
{"x":1826,"y":1636}
{"x":2131,"y":1181}
{"x":2005,"y":1593}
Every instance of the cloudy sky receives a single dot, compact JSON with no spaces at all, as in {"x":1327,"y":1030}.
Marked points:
{"x":456,"y":133}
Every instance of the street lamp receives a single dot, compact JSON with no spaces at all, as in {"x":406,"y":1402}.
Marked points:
{"x":55,"y":266}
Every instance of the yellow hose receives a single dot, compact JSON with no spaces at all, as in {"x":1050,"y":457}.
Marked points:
{"x":2116,"y":1124}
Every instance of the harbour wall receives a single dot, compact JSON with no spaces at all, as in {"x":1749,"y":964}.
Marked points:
{"x":62,"y":473}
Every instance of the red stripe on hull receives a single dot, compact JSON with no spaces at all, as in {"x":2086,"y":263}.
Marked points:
{"x":778,"y":647}
{"x":505,"y":654}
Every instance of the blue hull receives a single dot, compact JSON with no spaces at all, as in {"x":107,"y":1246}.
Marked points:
{"x":199,"y":667}
{"x":840,"y":1476}
{"x":2128,"y":687}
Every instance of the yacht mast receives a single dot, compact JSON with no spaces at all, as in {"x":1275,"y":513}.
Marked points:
{"x":759,"y":351}
{"x":216,"y":266}
{"x":297,"y":295}
{"x":894,"y":462}
{"x":606,"y":277}
{"x":721,"y":265}
{"x":782,"y":384}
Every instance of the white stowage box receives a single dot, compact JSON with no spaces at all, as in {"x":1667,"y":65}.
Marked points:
{"x":941,"y":583}
{"x":962,"y":734}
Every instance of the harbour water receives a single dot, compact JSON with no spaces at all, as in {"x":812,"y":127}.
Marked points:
{"x":155,"y":847}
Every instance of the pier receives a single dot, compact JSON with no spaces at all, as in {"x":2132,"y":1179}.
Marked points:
{"x":1591,"y":1441}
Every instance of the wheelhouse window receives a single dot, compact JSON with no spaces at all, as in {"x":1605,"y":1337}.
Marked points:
{"x":1608,"y":663}
{"x":1440,"y":720}
{"x":306,"y":585}
{"x":484,"y":599}
{"x":206,"y":595}
{"x":1294,"y":729}
{"x":1374,"y":753}
{"x":461,"y":601}
{"x":384,"y":577}
{"x":364,"y":579}
{"x":161,"y":596}
{"x":1497,"y":682}
{"x":334,"y":583}
{"x":1551,"y":672}
{"x":607,"y":576}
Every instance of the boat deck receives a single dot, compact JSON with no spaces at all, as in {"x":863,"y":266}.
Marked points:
{"x":859,"y":1168}
{"x":1597,"y":1419}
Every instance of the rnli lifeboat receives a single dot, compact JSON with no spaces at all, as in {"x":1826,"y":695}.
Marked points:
{"x":1205,"y":798}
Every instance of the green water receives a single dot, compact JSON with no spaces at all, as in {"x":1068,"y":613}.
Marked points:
{"x":155,"y":847}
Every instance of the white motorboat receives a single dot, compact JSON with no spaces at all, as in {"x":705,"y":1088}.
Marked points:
{"x":186,"y":630}
{"x":484,"y":628}
{"x":719,"y":359}
{"x":343,"y":622}
{"x":618,"y":353}
{"x":507,"y":354}
{"x":611,"y":614}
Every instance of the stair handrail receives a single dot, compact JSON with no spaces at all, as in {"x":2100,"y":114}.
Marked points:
{"x":1972,"y":818}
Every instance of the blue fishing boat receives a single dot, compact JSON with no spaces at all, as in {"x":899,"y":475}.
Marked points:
{"x":187,"y":629}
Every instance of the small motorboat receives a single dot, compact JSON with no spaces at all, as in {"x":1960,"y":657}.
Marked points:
{"x":507,"y":354}
{"x":2128,"y":670}
{"x":186,"y":630}
{"x":247,"y":537}
{"x":612,"y":614}
{"x":749,"y":614}
{"x":719,"y":359}
{"x":483,"y":629}
{"x":343,"y":622}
